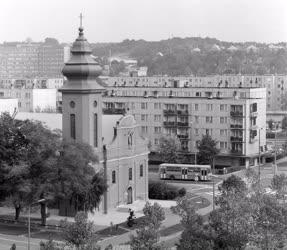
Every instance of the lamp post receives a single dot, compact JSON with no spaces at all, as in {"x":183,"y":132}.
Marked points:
{"x":259,"y":172}
{"x":275,"y":154}
{"x":29,"y":219}
{"x":259,"y":149}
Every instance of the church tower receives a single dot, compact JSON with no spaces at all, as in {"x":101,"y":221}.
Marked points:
{"x":82,"y":95}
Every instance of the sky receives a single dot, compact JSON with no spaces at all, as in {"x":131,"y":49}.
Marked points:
{"x":152,"y":20}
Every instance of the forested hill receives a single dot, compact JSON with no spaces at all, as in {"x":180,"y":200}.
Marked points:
{"x":199,"y":56}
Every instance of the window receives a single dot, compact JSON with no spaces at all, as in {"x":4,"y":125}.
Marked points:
{"x":157,"y":130}
{"x":157,"y":106}
{"x":156,"y":141}
{"x":73,"y":126}
{"x":144,"y":118}
{"x":130,"y":174}
{"x":114,"y":176}
{"x":141,"y":170}
{"x":208,"y":119}
{"x":196,"y":107}
{"x":196,"y":131}
{"x":96,"y":130}
{"x":223,"y":120}
{"x":143,"y":105}
{"x":198,"y":94}
{"x":209,"y":107}
{"x":144,"y":129}
{"x":222,"y":107}
{"x":157,"y":118}
{"x":223,"y":145}
{"x":196,"y":119}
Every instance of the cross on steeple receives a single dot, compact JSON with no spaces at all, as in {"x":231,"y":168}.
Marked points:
{"x":81,"y":20}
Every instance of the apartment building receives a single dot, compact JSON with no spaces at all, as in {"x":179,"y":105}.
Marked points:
{"x":30,"y":60}
{"x":31,"y":83}
{"x":33,"y":100}
{"x":232,"y":116}
{"x":276,"y":85}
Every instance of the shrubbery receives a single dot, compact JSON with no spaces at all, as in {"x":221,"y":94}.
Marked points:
{"x":164,"y":191}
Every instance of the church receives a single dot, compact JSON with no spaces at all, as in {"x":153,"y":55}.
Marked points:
{"x":117,"y":139}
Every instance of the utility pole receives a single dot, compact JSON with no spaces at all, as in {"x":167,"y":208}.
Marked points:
{"x":213,"y":187}
{"x":259,"y":160}
{"x":275,"y":155}
{"x":106,"y":178}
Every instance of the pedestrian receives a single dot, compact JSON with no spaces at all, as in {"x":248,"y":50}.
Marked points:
{"x":13,"y":247}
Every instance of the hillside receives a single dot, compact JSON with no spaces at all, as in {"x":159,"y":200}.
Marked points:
{"x":199,"y":56}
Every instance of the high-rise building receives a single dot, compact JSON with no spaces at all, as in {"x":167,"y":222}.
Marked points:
{"x":28,"y":60}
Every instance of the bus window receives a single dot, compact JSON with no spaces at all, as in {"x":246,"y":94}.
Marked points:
{"x":196,"y":170}
{"x":190,"y":170}
{"x":174,"y":169}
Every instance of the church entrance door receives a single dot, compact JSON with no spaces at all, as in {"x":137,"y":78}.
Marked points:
{"x":130,"y":195}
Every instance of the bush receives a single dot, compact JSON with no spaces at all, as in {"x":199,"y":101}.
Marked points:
{"x":181,"y":192}
{"x":164,"y":191}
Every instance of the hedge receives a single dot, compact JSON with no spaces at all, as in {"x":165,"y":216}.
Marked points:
{"x":163,"y":191}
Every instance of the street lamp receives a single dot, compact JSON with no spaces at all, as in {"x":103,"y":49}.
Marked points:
{"x":259,"y":160}
{"x":275,"y":154}
{"x":29,"y":218}
{"x":195,"y":152}
{"x":213,"y":192}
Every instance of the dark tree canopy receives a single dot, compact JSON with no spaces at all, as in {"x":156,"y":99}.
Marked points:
{"x":207,"y":149}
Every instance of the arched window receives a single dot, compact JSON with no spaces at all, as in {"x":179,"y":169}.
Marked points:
{"x":114,"y":176}
{"x":130,"y":174}
{"x":141,"y":170}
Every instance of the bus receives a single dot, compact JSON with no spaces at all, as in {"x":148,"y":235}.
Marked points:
{"x":169,"y":171}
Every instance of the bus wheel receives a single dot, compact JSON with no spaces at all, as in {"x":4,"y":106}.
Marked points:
{"x":196,"y":178}
{"x":172,"y":177}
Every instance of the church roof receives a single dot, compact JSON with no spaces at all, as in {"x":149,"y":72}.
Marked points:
{"x":54,"y":121}
{"x":82,"y":71}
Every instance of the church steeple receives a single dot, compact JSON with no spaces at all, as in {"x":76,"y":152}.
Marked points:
{"x":82,"y":70}
{"x":82,"y":95}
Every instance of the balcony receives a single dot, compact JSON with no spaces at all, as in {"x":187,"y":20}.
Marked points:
{"x":182,"y":124}
{"x":182,"y":112}
{"x":236,"y":139}
{"x":236,"y":152}
{"x":182,"y":136}
{"x":236,"y":113}
{"x":253,"y":114}
{"x":169,"y":112}
{"x":114,"y":111}
{"x":236,"y":126}
{"x":169,"y":124}
{"x":184,"y":149}
{"x":253,"y":127}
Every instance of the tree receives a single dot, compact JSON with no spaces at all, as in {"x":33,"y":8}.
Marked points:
{"x":230,"y":221}
{"x":74,"y":176}
{"x":168,"y":149}
{"x":31,"y":169}
{"x":279,"y":184}
{"x":284,"y":123}
{"x":270,"y":124}
{"x":207,"y":149}
{"x":26,"y":149}
{"x":269,"y":219}
{"x":154,"y":214}
{"x":196,"y":235}
{"x":147,"y":236}
{"x":79,"y":234}
{"x":51,"y":41}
